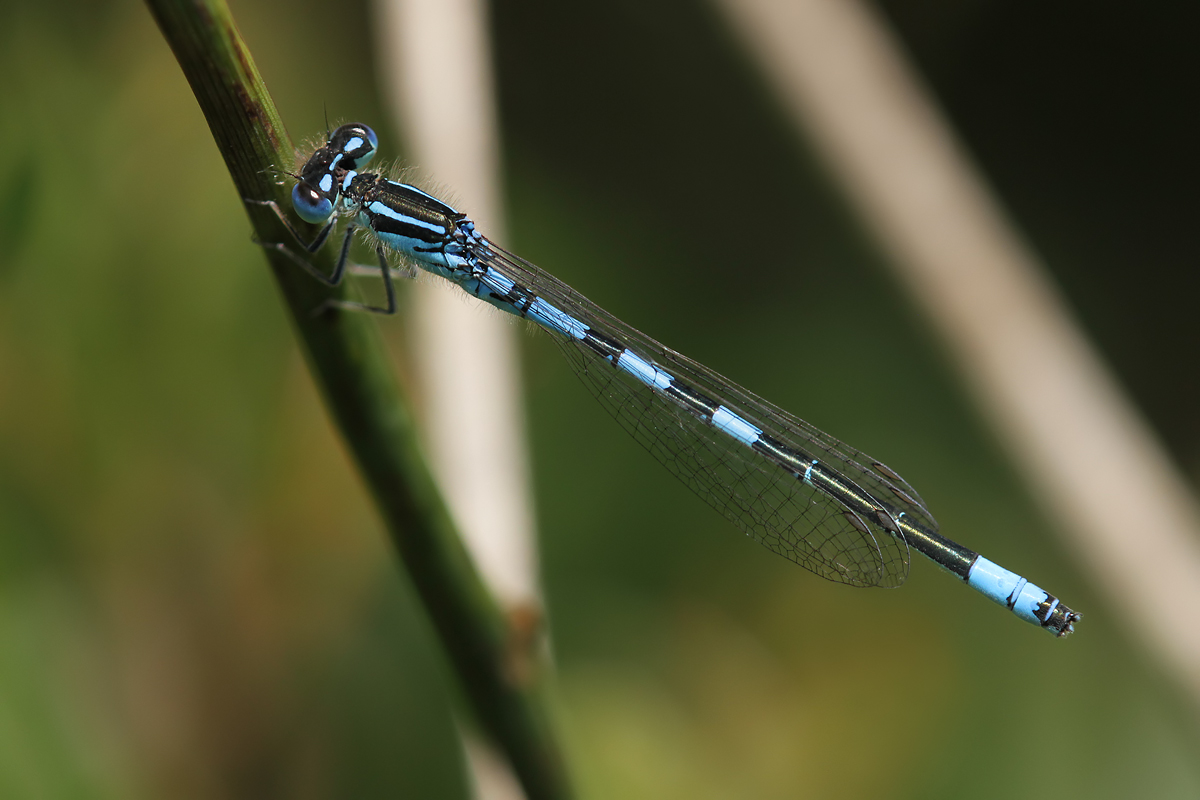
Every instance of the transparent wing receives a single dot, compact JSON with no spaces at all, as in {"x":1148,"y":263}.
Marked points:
{"x":759,"y":494}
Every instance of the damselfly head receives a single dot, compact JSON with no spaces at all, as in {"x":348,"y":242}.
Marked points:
{"x":329,"y":169}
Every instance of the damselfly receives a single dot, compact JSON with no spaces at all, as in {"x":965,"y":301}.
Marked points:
{"x":801,"y":493}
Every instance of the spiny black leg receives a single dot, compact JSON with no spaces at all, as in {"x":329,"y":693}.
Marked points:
{"x":339,"y":269}
{"x":352,"y":305}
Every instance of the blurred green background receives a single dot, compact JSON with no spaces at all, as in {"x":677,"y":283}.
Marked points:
{"x":196,"y":600}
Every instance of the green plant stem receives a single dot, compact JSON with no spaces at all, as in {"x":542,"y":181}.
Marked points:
{"x":348,"y":362}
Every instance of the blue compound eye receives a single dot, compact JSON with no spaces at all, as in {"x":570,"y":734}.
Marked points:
{"x":356,"y":143}
{"x":310,"y":204}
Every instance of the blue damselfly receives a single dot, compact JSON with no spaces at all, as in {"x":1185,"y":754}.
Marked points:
{"x":800,"y":492}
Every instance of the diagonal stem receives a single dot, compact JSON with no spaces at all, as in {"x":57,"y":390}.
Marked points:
{"x":495,"y":666}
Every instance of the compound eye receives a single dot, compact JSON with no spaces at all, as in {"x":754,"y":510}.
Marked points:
{"x":310,"y":204}
{"x":357,"y":143}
